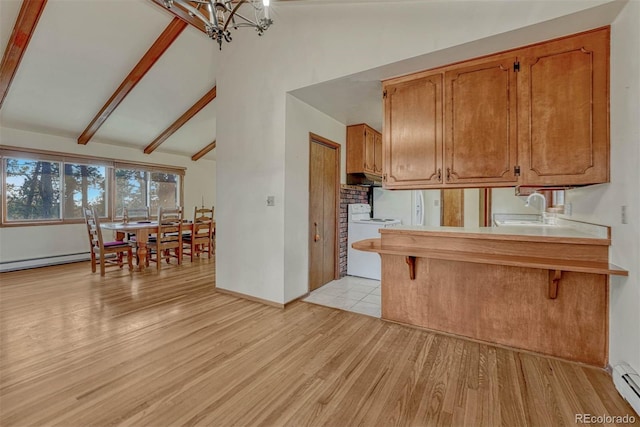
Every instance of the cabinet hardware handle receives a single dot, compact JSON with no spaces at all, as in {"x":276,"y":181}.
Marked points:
{"x":448,"y":174}
{"x":316,"y":236}
{"x":439,"y":175}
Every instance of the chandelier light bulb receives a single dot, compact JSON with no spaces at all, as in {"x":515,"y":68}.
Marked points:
{"x":220,"y":16}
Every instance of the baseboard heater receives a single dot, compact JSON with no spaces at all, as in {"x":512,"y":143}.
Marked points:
{"x":24,"y":264}
{"x":627,"y":381}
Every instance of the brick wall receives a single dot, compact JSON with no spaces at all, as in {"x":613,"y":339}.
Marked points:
{"x":348,"y":194}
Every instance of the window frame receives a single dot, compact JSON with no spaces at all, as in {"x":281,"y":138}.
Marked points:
{"x":63,"y":158}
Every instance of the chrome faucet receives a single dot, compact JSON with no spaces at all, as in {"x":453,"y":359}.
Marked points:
{"x":533,"y":195}
{"x":546,"y":218}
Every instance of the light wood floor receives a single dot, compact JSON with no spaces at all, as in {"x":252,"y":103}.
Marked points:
{"x":167,"y":349}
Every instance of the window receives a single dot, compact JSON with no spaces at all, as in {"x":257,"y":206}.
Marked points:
{"x":131,"y":189}
{"x":163,"y":190}
{"x":32,"y":189}
{"x":47,"y":187}
{"x":84,"y":185}
{"x":139,"y":188}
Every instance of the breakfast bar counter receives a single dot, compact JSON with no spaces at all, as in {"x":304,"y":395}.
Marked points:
{"x":543,"y":289}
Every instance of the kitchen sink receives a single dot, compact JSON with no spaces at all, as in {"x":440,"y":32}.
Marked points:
{"x":523,"y":220}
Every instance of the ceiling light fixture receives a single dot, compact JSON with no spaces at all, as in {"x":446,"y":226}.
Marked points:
{"x":219,"y":16}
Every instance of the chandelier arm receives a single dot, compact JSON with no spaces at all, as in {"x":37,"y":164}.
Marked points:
{"x":248,"y":22}
{"x":233,"y":13}
{"x":195,"y":12}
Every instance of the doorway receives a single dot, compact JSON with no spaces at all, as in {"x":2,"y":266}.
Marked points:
{"x":324,"y":202}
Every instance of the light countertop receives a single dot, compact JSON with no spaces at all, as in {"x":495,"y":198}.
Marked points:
{"x":564,"y":231}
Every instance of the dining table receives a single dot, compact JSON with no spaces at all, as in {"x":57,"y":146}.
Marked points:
{"x":142,"y":230}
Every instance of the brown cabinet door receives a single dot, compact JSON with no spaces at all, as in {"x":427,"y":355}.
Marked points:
{"x":377,"y":150}
{"x":481,"y":122}
{"x":412,"y":145}
{"x":355,"y":149}
{"x":564,"y":113}
{"x":369,"y":150}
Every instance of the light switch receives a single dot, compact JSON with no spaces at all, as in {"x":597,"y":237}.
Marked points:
{"x":271,"y":200}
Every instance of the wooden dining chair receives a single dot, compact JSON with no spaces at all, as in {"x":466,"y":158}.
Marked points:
{"x":100,"y":249}
{"x":201,"y":238}
{"x":169,"y":237}
{"x":137,"y":214}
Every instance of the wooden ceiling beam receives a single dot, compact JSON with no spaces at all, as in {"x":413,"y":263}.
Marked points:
{"x":162,"y":43}
{"x":204,"y":151}
{"x":202,"y":102}
{"x":182,"y":14}
{"x":25,"y":25}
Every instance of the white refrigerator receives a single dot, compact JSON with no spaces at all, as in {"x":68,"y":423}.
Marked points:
{"x":412,"y":207}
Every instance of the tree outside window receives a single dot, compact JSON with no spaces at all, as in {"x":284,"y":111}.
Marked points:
{"x":32,"y":189}
{"x":84,"y":185}
{"x":138,"y":189}
{"x":131,"y":189}
{"x":163,"y":190}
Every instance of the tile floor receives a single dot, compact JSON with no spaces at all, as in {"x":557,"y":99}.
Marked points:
{"x":349,"y":293}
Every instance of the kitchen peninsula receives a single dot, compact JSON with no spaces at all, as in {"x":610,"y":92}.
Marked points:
{"x":538,"y":288}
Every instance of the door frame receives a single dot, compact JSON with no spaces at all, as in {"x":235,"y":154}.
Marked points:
{"x":314,"y":138}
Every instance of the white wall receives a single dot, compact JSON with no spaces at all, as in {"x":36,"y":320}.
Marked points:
{"x":601,"y":203}
{"x":471,"y":207}
{"x":303,"y":119}
{"x":432,"y":207}
{"x":21,"y":243}
{"x":311,"y":43}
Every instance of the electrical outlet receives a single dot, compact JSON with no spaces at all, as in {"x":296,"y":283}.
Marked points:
{"x":271,"y":200}
{"x":623,"y":214}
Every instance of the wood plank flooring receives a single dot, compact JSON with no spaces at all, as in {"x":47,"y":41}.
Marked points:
{"x":167,"y":349}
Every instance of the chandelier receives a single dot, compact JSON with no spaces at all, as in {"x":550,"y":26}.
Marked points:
{"x":219,"y":16}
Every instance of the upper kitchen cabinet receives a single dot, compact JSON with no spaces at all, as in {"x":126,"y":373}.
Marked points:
{"x":536,"y":115}
{"x":412,"y":144}
{"x":563,"y":93}
{"x":364,"y":150}
{"x":480,"y":118}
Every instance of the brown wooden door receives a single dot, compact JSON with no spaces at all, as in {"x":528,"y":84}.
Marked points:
{"x":412,"y":144}
{"x":564,"y":118}
{"x":452,"y":207}
{"x":481,"y":122}
{"x":324,"y":176}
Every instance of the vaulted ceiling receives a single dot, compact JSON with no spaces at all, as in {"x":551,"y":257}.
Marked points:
{"x":82,"y":75}
{"x":129,"y":73}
